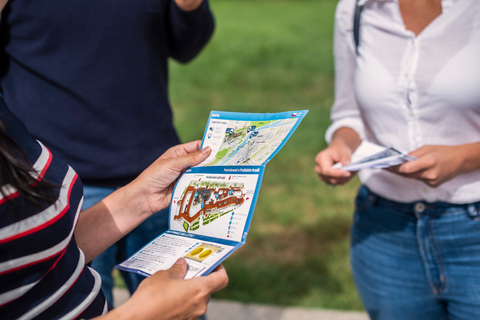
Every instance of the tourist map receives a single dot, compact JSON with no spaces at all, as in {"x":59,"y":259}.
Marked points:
{"x":213,"y":203}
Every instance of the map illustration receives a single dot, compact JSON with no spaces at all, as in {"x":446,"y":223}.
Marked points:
{"x":205,"y":201}
{"x":246,"y":142}
{"x":212,"y":203}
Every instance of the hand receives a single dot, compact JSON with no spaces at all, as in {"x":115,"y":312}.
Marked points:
{"x":188,"y":5}
{"x":165,"y":295}
{"x":102,"y":225}
{"x":435,"y":164}
{"x":336,"y":152}
{"x":157,"y":181}
{"x":344,"y":141}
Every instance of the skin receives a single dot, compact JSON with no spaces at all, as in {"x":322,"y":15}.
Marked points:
{"x":188,"y":5}
{"x":344,"y":142}
{"x":164,"y":295}
{"x":177,"y":298}
{"x":105,"y":223}
{"x":418,"y":14}
{"x":436,"y":164}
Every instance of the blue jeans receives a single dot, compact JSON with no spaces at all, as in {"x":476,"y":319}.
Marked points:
{"x":416,"y":260}
{"x":125,"y":247}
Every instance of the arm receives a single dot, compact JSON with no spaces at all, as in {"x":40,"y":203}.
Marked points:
{"x":190,"y":27}
{"x":346,"y":131}
{"x":103,"y":224}
{"x":165,"y":295}
{"x":438,"y":164}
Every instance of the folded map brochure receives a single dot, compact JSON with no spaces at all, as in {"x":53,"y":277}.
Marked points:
{"x":372,"y":156}
{"x":212,"y":204}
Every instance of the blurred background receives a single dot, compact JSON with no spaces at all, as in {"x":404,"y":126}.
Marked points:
{"x":274,"y":56}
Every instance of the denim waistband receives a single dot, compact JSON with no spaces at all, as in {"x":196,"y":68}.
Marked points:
{"x":420,"y":207}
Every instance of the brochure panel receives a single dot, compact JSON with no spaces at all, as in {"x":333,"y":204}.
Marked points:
{"x":216,"y":201}
{"x":212,"y":204}
{"x":161,"y":253}
{"x":247,"y":139}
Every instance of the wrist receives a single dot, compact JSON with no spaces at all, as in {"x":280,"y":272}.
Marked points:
{"x":128,"y":207}
{"x":347,"y":138}
{"x":470,"y":156}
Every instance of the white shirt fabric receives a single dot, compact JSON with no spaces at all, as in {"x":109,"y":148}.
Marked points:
{"x":406,"y":91}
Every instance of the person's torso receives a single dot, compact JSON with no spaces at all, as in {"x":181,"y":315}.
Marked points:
{"x":89,"y":79}
{"x":420,"y":90}
{"x":42,"y":271}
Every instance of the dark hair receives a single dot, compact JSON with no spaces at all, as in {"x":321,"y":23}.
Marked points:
{"x":17,"y":171}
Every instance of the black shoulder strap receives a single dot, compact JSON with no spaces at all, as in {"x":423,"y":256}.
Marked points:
{"x":356,"y":25}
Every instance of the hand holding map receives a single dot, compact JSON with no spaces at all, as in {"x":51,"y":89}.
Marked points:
{"x":372,"y":156}
{"x":212,"y":204}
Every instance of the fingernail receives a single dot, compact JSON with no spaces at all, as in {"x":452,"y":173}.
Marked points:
{"x":181,"y":261}
{"x":206,"y":150}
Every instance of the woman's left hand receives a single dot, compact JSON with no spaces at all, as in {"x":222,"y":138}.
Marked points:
{"x":438,"y":164}
{"x":102,"y":225}
{"x":158,"y":180}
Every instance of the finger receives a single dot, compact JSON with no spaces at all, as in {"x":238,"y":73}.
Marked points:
{"x":345,"y":157}
{"x":217,"y":280}
{"x":420,"y":152}
{"x":182,"y":149}
{"x":325,"y":165}
{"x":192,"y":146}
{"x":413,"y":175}
{"x":190,"y":160}
{"x":411,"y":167}
{"x":178,"y":270}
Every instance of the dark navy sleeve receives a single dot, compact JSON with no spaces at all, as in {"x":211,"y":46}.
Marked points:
{"x":189,"y":31}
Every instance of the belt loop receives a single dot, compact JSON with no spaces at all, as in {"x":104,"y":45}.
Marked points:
{"x":473,"y":212}
{"x":372,"y":200}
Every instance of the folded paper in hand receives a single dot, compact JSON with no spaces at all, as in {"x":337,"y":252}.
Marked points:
{"x":371,"y":156}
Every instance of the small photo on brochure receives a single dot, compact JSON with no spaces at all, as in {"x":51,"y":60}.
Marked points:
{"x":202,"y":252}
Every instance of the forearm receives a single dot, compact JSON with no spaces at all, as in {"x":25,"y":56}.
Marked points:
{"x":470,"y":153}
{"x":348,"y":137}
{"x":108,"y":221}
{"x":103,"y":224}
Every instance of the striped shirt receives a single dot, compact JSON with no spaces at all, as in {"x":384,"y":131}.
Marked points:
{"x":42,"y":270}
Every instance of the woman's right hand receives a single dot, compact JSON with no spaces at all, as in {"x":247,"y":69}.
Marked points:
{"x":344,"y":142}
{"x":326,"y":159}
{"x":166,"y":295}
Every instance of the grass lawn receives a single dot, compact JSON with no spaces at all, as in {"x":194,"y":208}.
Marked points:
{"x":273,"y":56}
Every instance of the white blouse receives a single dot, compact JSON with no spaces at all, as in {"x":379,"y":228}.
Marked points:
{"x":406,"y":91}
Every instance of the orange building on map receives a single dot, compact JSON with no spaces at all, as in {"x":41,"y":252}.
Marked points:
{"x":205,"y":201}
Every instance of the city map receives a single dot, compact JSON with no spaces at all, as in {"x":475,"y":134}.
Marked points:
{"x":212,"y":203}
{"x":242,"y":143}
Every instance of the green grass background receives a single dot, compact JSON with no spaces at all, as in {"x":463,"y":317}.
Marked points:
{"x":273,"y":56}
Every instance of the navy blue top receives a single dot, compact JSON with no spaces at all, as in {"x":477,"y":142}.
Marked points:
{"x":89,"y":78}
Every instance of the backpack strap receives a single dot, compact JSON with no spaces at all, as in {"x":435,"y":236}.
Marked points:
{"x":356,"y":24}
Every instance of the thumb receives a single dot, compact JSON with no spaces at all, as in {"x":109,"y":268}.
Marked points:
{"x":191,"y":159}
{"x":345,"y":157}
{"x":178,"y":270}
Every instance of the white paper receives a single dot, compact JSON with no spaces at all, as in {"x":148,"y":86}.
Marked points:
{"x":164,"y":251}
{"x":372,"y":156}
